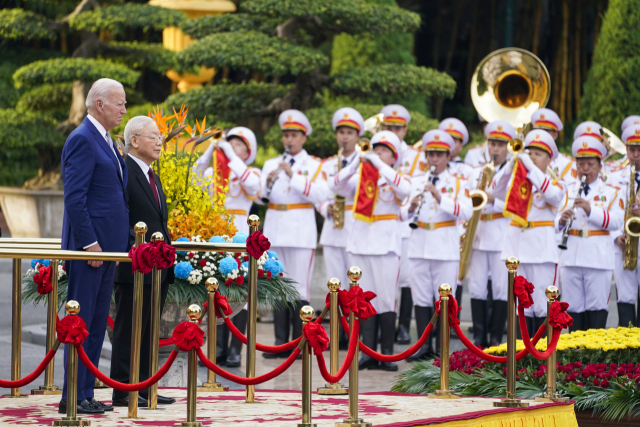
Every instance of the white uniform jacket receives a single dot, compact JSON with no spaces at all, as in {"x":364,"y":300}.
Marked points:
{"x":565,"y":168}
{"x":413,"y":164}
{"x":607,"y":215}
{"x":330,"y":235}
{"x":384,"y":235}
{"x":460,"y":169}
{"x":478,"y":155}
{"x":437,"y":236}
{"x":620,"y":180}
{"x":290,"y":220}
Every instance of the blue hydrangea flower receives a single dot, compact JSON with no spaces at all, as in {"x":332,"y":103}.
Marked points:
{"x":182,"y":270}
{"x":182,"y":239}
{"x":34,"y":262}
{"x":245,"y":265}
{"x":274,"y":266}
{"x":45,"y":262}
{"x":217,"y":239}
{"x":240,"y":238}
{"x":227,"y":265}
{"x":273,"y":254}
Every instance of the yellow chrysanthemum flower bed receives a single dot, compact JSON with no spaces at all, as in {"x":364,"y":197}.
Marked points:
{"x":594,"y":339}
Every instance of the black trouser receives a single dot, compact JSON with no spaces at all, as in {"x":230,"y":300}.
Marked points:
{"x":287,"y":320}
{"x":240,"y":322}
{"x":121,"y":344}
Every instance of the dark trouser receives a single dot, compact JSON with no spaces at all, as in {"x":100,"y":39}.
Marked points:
{"x":121,"y":344}
{"x":287,"y":320}
{"x":240,"y":322}
{"x":626,"y":314}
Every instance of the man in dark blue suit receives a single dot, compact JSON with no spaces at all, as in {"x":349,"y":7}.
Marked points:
{"x":96,"y":219}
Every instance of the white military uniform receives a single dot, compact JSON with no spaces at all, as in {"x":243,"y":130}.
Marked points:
{"x":478,"y":155}
{"x":459,"y":169}
{"x":564,"y":167}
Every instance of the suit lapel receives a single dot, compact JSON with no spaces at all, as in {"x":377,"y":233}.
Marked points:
{"x":102,"y":143}
{"x":146,"y":186}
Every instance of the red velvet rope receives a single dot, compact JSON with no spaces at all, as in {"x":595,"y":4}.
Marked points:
{"x":43,"y":279}
{"x":316,"y":337}
{"x":248,"y":381}
{"x":540,"y":355}
{"x":346,"y":363}
{"x":32,"y":376}
{"x":163,"y":342}
{"x":522,"y":290}
{"x":122,"y":386}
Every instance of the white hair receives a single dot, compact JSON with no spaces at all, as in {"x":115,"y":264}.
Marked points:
{"x":101,"y":90}
{"x":135,"y":125}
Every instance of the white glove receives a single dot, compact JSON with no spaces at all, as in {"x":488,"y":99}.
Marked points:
{"x":374,"y":159}
{"x":227,"y":149}
{"x":526,"y":161}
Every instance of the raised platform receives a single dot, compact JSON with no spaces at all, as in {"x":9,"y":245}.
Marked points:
{"x":282,"y":408}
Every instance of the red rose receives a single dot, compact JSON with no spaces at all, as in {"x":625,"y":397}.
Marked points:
{"x":257,"y":244}
{"x":239,"y":280}
{"x":260,"y":273}
{"x":246,"y":257}
{"x":228,"y":282}
{"x":268,"y":275}
{"x":191,"y":254}
{"x":202,"y":262}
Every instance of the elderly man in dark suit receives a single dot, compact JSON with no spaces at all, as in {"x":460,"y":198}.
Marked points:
{"x":147,"y":203}
{"x":96,"y":218}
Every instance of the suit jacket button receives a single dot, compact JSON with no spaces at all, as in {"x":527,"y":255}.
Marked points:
{"x":127,"y":210}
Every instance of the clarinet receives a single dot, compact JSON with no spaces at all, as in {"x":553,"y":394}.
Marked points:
{"x":265,"y":199}
{"x":567,"y":228}
{"x":414,"y":222}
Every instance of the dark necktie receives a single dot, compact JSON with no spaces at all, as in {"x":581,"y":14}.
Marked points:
{"x":435,"y":180}
{"x":637,"y":181}
{"x":152,"y":182}
{"x":586,"y":190}
{"x":344,"y":163}
{"x":292,"y":161}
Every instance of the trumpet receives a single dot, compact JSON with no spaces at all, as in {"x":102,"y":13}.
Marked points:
{"x":567,"y":228}
{"x":265,"y":199}
{"x":414,"y":222}
{"x":364,"y":145}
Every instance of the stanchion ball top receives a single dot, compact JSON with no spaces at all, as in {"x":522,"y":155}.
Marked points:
{"x":306,"y":313}
{"x":193,"y":312}
{"x":72,"y":308}
{"x":212,"y":284}
{"x":333,"y":284}
{"x":253,"y":220}
{"x":445,"y":290}
{"x":552,"y":292}
{"x":140,"y":228}
{"x":157,"y":237}
{"x":512,"y":263}
{"x":354,"y":273}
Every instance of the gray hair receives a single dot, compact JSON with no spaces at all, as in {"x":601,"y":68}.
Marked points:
{"x":100,"y":90}
{"x":135,"y":125}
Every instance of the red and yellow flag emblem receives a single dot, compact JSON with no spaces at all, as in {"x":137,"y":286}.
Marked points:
{"x":366,"y":193}
{"x":518,"y":200}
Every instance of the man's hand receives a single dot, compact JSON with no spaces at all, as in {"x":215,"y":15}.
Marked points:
{"x":286,"y":167}
{"x":565,"y":217}
{"x":635,"y":209}
{"x":414,"y":203}
{"x":272,"y":176}
{"x":227,"y":149}
{"x":582,"y":203}
{"x":434,"y":191}
{"x":94,"y":248}
{"x":330,"y":209}
{"x":490,"y":198}
{"x":620,"y":241}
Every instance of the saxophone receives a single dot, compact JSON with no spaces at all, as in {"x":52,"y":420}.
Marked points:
{"x":479,"y":200}
{"x":338,"y":201}
{"x":631,"y":226}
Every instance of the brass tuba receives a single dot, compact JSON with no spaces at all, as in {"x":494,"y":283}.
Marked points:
{"x":478,"y":200}
{"x":631,"y":226}
{"x":510,"y":84}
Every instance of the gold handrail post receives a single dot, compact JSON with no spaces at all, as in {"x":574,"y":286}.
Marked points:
{"x":16,"y":326}
{"x":512,"y":264}
{"x":72,"y":308}
{"x":254,"y":222}
{"x":354,"y":274}
{"x":212,"y":337}
{"x":334,"y":337}
{"x":445,"y":292}
{"x":194,"y":312}
{"x":306,"y":314}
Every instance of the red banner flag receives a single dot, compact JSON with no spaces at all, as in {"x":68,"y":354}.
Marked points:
{"x":221,"y":170}
{"x":366,"y":193}
{"x":519,"y":196}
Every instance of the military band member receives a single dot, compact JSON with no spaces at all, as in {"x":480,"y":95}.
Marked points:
{"x":396,"y":119}
{"x":375,"y":240}
{"x":479,"y":155}
{"x":627,"y":281}
{"x":613,"y":165}
{"x":437,"y":202}
{"x":460,"y":135}
{"x":294,"y":189}
{"x":548,"y":120}
{"x":588,"y":261}
{"x":487,"y":244}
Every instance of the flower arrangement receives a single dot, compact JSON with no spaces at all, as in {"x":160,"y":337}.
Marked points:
{"x":598,"y":368}
{"x":30,"y":292}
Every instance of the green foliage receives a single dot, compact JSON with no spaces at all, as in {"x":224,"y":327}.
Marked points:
{"x":55,"y":97}
{"x":17,"y":166}
{"x":322,"y":142}
{"x":139,"y":55}
{"x":18,"y":24}
{"x":229,"y":22}
{"x":610,"y":94}
{"x":227,"y":102}
{"x":27,"y":129}
{"x":117,"y":19}
{"x":393,"y":79}
{"x":70,"y":69}
{"x":250,"y":51}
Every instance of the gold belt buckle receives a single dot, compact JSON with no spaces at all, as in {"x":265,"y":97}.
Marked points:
{"x":583,"y":233}
{"x":282,"y":207}
{"x":526,"y":226}
{"x":429,"y":226}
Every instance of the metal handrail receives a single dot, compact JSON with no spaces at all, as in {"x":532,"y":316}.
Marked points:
{"x":8,"y":244}
{"x":29,"y":240}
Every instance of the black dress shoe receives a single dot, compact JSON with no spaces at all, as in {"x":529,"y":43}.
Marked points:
{"x":233,"y":360}
{"x":367,"y":362}
{"x":282,"y":355}
{"x":388,"y":366}
{"x":105,"y":408}
{"x":163,"y":400}
{"x":142,"y":402}
{"x":84,"y":407}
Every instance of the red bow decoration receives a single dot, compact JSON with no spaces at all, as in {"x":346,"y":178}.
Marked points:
{"x":188,"y":336}
{"x":149,"y":255}
{"x":221,"y":302}
{"x":257,"y":244}
{"x":43,"y":280}
{"x":72,"y":330}
{"x":453,"y":309}
{"x":523,"y":289}
{"x":359,"y":302}
{"x":558,"y":316}
{"x":317,"y":337}
{"x":165,"y":255}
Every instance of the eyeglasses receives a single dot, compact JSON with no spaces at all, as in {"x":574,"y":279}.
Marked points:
{"x":159,"y":138}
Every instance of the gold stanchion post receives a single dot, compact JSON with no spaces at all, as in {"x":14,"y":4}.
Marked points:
{"x":334,"y":337}
{"x":512,"y":264}
{"x":445,"y":291}
{"x":212,"y":337}
{"x":16,"y":327}
{"x":72,"y":308}
{"x":136,"y":327}
{"x":194,"y":312}
{"x":552,"y":394}
{"x":306,"y":314}
{"x":254,"y":222}
{"x":354,"y":274}
{"x":52,"y":310}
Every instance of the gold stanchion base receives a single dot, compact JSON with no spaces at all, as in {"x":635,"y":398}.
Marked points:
{"x":307,"y":425}
{"x":15,"y":396}
{"x":75,"y":421}
{"x":556,"y":398}
{"x":444,"y":394}
{"x":333,"y":389}
{"x":354,"y":422}
{"x":44,"y":390}
{"x":212,"y":388}
{"x":191,"y":424}
{"x":510,"y":403}
{"x":152,"y":409}
{"x":100,"y":384}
